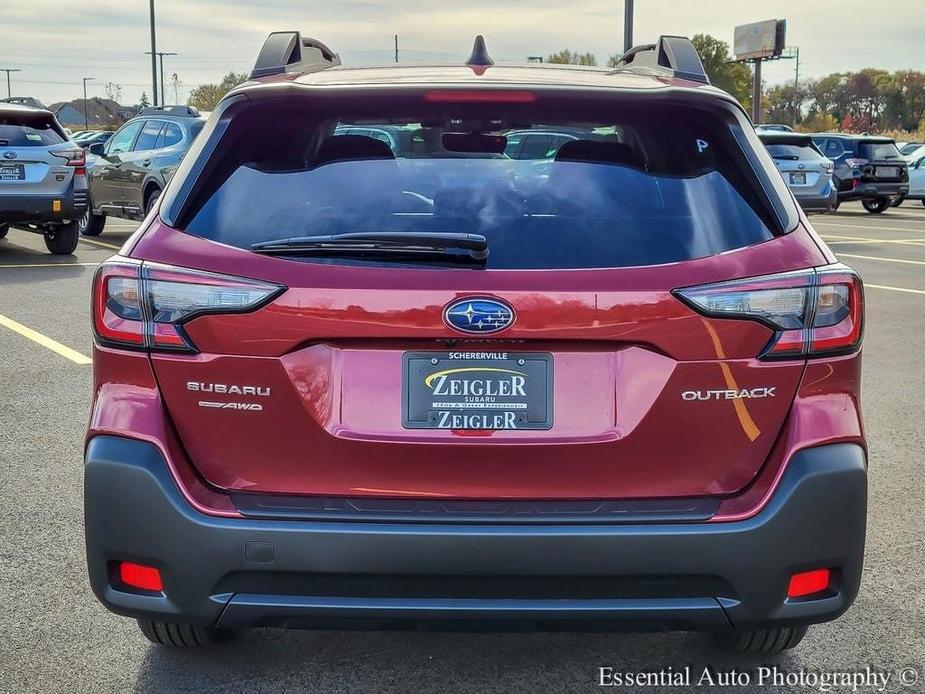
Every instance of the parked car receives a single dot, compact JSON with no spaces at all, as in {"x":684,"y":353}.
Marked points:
{"x":773,"y":127}
{"x":907,"y":148}
{"x":131,"y":168}
{"x":323,"y":398}
{"x":29,"y":101}
{"x":916,"y":163}
{"x":88,"y":139}
{"x":43,"y":179}
{"x":806,"y":171}
{"x":867,"y":168}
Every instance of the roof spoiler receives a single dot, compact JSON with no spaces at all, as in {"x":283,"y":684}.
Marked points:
{"x":674,"y":55}
{"x":289,"y":51}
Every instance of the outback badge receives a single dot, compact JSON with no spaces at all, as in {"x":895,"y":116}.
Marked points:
{"x":478,"y":315}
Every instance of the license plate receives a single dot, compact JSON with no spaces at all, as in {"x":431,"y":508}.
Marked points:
{"x":477,"y":390}
{"x":798,"y":179}
{"x":887,"y":172}
{"x":12,"y":172}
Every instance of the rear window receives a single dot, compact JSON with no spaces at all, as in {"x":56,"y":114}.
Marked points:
{"x":627,"y":186}
{"x":879,"y":150}
{"x":793,"y":152}
{"x":17,"y":132}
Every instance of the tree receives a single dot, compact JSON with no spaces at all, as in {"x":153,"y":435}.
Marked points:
{"x":819,"y":123}
{"x":113,"y":91}
{"x":567,"y":57}
{"x":206,"y":96}
{"x":143,"y":101}
{"x":735,"y":78}
{"x":176,"y":83}
{"x":781,"y":105}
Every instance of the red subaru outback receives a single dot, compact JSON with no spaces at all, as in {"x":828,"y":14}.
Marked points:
{"x":528,"y":346}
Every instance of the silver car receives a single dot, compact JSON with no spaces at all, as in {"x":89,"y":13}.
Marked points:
{"x":43,"y":177}
{"x":805,"y":169}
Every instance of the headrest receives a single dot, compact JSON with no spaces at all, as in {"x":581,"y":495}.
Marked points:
{"x":597,"y":152}
{"x":351,"y":147}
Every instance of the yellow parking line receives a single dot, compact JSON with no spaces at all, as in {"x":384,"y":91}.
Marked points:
{"x":885,"y":260}
{"x":839,"y":238}
{"x":100,"y":243}
{"x":18,"y":265}
{"x":45,"y":341}
{"x":894,"y":289}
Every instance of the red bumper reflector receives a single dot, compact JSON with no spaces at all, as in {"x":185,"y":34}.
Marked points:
{"x":809,"y":583}
{"x":140,"y":576}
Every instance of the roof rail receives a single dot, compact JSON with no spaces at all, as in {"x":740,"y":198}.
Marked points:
{"x":289,"y":51}
{"x":675,"y":55}
{"x":188,"y":111}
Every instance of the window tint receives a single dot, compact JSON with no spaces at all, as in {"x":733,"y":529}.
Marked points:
{"x":27,"y":135}
{"x":833,"y":148}
{"x":879,"y":150}
{"x":635,"y":187}
{"x":792,"y":152}
{"x":171,"y":135}
{"x":535,"y":147}
{"x":122,"y":140}
{"x":513,"y":145}
{"x":148,"y":137}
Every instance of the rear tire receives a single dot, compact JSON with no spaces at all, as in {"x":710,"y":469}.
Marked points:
{"x":763,"y":641}
{"x":4,"y":230}
{"x":180,"y":635}
{"x":91,"y":224}
{"x":62,"y":240}
{"x":877,"y":205}
{"x":899,"y":201}
{"x":152,"y":200}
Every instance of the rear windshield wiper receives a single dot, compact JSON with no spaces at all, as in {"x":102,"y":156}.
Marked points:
{"x":399,"y":242}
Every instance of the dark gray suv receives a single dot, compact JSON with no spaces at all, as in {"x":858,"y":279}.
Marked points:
{"x":129,"y":172}
{"x":867,"y":168}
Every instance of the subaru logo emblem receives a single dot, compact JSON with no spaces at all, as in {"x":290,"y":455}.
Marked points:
{"x":9,"y":155}
{"x":478,"y":315}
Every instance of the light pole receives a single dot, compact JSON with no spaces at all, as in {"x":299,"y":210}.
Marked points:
{"x":9,"y":91}
{"x":627,"y":25}
{"x":86,"y":112}
{"x":161,"y":56}
{"x":153,"y":57}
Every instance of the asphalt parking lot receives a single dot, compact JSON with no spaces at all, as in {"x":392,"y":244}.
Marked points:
{"x":55,"y":637}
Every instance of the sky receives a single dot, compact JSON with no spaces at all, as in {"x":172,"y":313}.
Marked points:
{"x":55,"y":43}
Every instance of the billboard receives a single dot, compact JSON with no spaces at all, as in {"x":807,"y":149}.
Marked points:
{"x":759,"y":40}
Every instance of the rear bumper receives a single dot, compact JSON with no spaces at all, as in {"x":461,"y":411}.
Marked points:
{"x":816,"y":200}
{"x":37,"y":209}
{"x":867,"y":191}
{"x":236,"y":572}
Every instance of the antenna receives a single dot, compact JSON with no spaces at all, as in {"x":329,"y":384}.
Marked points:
{"x":479,"y":55}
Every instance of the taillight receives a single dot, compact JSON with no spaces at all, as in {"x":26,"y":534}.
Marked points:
{"x":72,"y":157}
{"x":813,"y":312}
{"x":144,"y":305}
